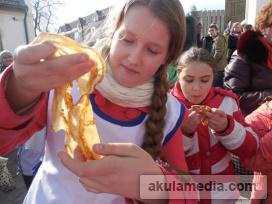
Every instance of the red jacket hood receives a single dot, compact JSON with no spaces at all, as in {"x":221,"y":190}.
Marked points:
{"x":252,"y":46}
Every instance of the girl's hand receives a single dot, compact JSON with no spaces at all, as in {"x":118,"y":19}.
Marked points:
{"x":36,"y":71}
{"x":117,"y":173}
{"x":191,"y":123}
{"x":218,"y":120}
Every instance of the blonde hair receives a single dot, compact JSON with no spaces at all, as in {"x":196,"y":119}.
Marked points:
{"x":170,"y":12}
{"x":234,"y":25}
{"x":264,"y":18}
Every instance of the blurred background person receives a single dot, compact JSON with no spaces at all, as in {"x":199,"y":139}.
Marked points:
{"x":191,"y":33}
{"x":247,"y":27}
{"x":219,"y":53}
{"x":233,"y":38}
{"x":6,"y":58}
{"x":198,"y":35}
{"x":243,"y":23}
{"x":228,"y":28}
{"x":207,"y":42}
{"x":249,"y":72}
{"x":30,"y":156}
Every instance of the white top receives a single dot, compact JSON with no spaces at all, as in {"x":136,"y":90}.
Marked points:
{"x":55,"y":184}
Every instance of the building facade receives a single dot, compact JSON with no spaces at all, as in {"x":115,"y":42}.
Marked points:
{"x":208,"y":17}
{"x":86,"y":29}
{"x":235,"y":10}
{"x":16,"y":24}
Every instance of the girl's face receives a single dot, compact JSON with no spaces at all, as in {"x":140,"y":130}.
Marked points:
{"x":139,"y":46}
{"x":195,"y":81}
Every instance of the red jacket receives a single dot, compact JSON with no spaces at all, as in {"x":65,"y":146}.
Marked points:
{"x":261,"y":162}
{"x":16,"y":129}
{"x":209,"y":153}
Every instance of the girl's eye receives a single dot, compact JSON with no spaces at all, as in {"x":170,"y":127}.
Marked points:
{"x":205,"y":81}
{"x":123,"y":37}
{"x":127,"y":40}
{"x":152,"y":51}
{"x":188,"y":80}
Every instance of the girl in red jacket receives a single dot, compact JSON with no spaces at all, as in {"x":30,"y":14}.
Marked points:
{"x":208,"y":147}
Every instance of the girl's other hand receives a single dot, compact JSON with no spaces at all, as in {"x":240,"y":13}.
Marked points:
{"x":118,"y":172}
{"x":218,"y":120}
{"x":191,"y":123}
{"x":35,"y":70}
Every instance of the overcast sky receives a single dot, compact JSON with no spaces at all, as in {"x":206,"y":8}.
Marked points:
{"x":73,"y":9}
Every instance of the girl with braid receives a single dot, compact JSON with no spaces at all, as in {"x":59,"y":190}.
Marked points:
{"x":136,"y":119}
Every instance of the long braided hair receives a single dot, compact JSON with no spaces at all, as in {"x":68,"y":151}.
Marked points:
{"x":171,"y":12}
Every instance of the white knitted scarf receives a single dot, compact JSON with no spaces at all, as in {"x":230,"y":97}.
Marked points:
{"x":136,"y":97}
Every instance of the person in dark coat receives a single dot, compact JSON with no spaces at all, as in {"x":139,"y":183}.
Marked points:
{"x":249,"y":72}
{"x":191,"y":33}
{"x":207,"y":43}
{"x":233,"y":38}
{"x":198,"y":35}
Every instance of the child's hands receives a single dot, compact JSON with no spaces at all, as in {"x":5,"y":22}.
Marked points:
{"x":191,"y":123}
{"x":117,"y":173}
{"x":218,"y":120}
{"x":38,"y":76}
{"x":36,"y":71}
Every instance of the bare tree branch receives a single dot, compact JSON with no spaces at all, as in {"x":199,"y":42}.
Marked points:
{"x":43,"y":14}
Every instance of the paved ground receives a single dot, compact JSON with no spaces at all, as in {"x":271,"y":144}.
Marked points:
{"x":16,"y":196}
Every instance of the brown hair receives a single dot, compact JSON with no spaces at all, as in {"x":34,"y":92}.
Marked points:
{"x":247,"y":27}
{"x":213,"y":25}
{"x":264,"y":18}
{"x":196,"y":55}
{"x":171,"y":12}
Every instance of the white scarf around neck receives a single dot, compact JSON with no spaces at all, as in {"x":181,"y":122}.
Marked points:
{"x":136,"y":97}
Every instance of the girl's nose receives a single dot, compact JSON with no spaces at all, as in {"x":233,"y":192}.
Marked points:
{"x":135,"y":55}
{"x":196,"y":86}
